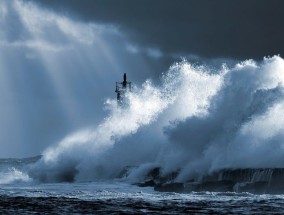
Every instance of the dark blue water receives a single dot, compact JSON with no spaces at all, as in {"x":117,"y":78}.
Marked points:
{"x":20,"y":194}
{"x":115,"y":197}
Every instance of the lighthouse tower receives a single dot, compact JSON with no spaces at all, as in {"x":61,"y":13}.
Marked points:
{"x":121,"y":88}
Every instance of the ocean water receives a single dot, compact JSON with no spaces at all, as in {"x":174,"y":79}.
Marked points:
{"x":114,"y":197}
{"x":20,"y":194}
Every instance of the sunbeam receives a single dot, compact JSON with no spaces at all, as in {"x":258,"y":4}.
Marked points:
{"x":56,"y":73}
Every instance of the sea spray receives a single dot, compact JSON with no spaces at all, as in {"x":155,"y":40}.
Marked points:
{"x":196,"y":121}
{"x":143,"y":107}
{"x":84,"y":153}
{"x":250,"y":91}
{"x":13,"y":175}
{"x":237,"y":122}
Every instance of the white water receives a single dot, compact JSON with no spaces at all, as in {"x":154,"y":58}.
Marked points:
{"x":196,"y":121}
{"x":13,"y":175}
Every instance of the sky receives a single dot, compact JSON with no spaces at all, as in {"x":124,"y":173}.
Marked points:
{"x":59,"y":60}
{"x":235,"y":29}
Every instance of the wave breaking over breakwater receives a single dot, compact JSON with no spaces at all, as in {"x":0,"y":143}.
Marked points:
{"x":197,"y":121}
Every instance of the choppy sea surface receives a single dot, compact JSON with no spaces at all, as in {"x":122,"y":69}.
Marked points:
{"x":19,"y":194}
{"x":113,"y":197}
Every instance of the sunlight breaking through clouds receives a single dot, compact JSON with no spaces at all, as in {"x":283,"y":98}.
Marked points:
{"x":48,"y":31}
{"x":56,"y":73}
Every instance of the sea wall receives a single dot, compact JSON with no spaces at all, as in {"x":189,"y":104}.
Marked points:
{"x":253,"y":180}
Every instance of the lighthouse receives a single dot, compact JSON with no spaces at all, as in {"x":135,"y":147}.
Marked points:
{"x":121,"y":88}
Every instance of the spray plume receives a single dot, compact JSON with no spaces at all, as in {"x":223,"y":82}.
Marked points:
{"x":196,"y":121}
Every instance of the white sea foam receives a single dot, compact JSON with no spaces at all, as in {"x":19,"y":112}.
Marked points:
{"x":13,"y":175}
{"x":196,"y":121}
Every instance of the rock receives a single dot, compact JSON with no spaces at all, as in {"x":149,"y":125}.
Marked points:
{"x":253,"y":180}
{"x":170,"y":187}
{"x":255,"y":187}
{"x":216,"y":186}
{"x":150,"y":183}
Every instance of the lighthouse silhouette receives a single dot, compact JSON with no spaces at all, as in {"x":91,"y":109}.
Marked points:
{"x":121,"y":88}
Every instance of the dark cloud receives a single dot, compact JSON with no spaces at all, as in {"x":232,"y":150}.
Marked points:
{"x":231,"y":29}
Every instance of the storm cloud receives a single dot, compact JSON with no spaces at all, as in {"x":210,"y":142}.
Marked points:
{"x":208,"y":29}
